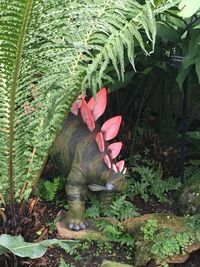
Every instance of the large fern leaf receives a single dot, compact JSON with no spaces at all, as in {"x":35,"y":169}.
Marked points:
{"x":49,"y":50}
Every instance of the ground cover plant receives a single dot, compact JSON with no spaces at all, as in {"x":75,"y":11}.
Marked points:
{"x":50,"y":52}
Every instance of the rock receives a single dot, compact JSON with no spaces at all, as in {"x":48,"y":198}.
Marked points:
{"x":189,"y":200}
{"x":114,"y":264}
{"x":143,"y":254}
{"x":64,"y":232}
{"x":165,"y":220}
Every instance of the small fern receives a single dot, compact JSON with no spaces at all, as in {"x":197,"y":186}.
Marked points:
{"x":48,"y":189}
{"x":149,"y":183}
{"x":115,"y":233}
{"x":96,"y":209}
{"x":64,"y":264}
{"x":165,"y":242}
{"x":120,"y":208}
{"x":192,"y":172}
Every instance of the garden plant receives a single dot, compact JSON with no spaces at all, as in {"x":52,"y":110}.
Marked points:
{"x":146,"y":53}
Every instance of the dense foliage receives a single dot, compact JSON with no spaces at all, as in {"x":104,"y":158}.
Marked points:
{"x":49,"y":52}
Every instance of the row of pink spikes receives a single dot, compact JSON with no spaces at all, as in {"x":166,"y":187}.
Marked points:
{"x":90,"y":112}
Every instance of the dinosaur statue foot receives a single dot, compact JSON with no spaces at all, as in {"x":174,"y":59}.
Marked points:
{"x":71,"y":228}
{"x":77,"y":225}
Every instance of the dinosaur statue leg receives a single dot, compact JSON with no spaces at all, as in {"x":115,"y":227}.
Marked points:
{"x":76,"y":195}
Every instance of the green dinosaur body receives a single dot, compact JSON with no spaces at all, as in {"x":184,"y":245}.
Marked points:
{"x":76,"y":154}
{"x":82,"y":154}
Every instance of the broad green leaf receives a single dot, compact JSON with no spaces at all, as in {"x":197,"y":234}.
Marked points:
{"x":163,"y":5}
{"x":19,"y":247}
{"x":194,"y":135}
{"x":197,"y":68}
{"x":188,"y":8}
{"x":193,"y":49}
{"x":168,"y":33}
{"x":119,"y":84}
{"x":182,"y":76}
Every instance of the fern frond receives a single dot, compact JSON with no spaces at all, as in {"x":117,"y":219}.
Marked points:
{"x":117,"y":34}
{"x":49,"y":50}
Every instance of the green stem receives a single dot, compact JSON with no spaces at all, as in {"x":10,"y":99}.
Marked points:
{"x":12,"y":109}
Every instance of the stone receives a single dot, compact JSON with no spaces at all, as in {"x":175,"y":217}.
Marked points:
{"x":114,"y":264}
{"x":143,"y":253}
{"x":90,"y":233}
{"x":189,"y":199}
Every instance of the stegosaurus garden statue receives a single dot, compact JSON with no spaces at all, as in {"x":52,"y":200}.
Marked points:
{"x":82,"y":153}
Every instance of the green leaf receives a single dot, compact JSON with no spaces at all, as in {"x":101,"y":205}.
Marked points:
{"x":183,"y":73}
{"x":194,"y":135}
{"x":167,"y":32}
{"x":119,"y":84}
{"x":193,"y":52}
{"x":63,"y":263}
{"x":188,"y":8}
{"x":19,"y":247}
{"x":197,"y":68}
{"x":163,"y":5}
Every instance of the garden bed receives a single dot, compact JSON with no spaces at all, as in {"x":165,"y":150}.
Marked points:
{"x":37,"y":223}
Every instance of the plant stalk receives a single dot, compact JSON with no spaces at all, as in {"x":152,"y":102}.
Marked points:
{"x":12,"y":111}
{"x":183,"y":131}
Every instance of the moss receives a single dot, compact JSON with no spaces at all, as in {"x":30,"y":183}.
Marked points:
{"x":163,"y":238}
{"x":189,"y":200}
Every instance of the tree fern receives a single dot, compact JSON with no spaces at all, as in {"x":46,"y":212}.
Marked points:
{"x":49,"y":50}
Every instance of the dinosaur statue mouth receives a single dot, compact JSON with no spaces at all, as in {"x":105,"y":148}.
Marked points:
{"x":97,"y":187}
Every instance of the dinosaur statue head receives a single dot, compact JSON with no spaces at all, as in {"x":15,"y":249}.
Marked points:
{"x":116,"y":183}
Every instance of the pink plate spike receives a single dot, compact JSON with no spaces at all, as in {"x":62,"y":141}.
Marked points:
{"x":77,"y":104}
{"x":107,"y":161}
{"x":114,"y":149}
{"x":120,"y":165}
{"x":74,"y":109}
{"x":100,"y":142}
{"x":110,"y":128}
{"x":79,"y":100}
{"x":114,"y":168}
{"x":87,"y":116}
{"x":124,"y":171}
{"x":97,"y":104}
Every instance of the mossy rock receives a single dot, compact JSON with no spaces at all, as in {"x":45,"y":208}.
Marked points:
{"x":189,"y":199}
{"x":164,"y":222}
{"x":114,"y":264}
{"x":88,"y":234}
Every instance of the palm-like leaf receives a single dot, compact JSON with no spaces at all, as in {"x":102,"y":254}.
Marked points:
{"x":49,"y":50}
